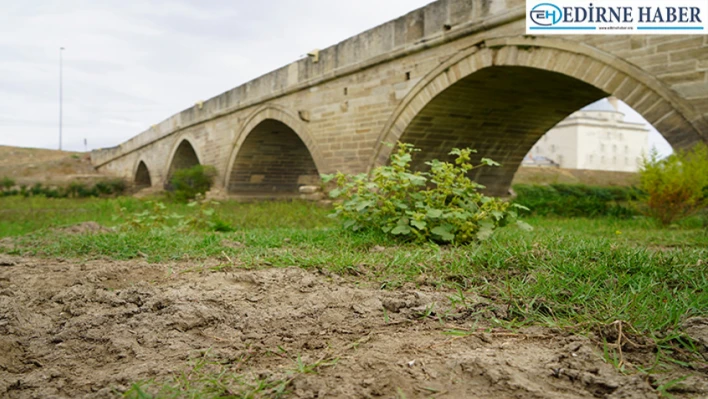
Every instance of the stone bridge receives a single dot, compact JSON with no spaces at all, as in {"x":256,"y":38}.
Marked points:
{"x":456,"y":73}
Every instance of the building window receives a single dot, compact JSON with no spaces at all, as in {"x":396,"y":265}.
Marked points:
{"x":626,"y":149}
{"x":602,"y":160}
{"x":602,"y":148}
{"x":614,"y":160}
{"x":626,"y":161}
{"x":590,"y":158}
{"x":553,"y":148}
{"x":560,"y":160}
{"x":614,"y":148}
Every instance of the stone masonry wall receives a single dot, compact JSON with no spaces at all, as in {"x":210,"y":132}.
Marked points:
{"x":371,"y":88}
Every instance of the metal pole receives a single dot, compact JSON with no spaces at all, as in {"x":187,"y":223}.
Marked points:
{"x":61,"y":91}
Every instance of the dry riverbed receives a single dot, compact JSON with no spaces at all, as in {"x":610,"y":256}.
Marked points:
{"x":92,"y":329}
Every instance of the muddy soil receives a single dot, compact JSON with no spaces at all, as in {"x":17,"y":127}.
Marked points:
{"x":90,"y":329}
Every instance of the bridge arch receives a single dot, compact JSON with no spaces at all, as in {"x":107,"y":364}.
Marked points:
{"x":183,"y":155}
{"x":141,"y":175}
{"x":273,"y":153}
{"x":502,"y":95}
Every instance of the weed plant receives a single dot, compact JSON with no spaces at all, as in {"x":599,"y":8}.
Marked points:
{"x":441,"y":204}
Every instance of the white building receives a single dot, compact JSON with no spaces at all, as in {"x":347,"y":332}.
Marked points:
{"x":596,"y":137}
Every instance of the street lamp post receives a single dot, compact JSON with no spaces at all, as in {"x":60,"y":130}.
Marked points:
{"x":61,"y":90}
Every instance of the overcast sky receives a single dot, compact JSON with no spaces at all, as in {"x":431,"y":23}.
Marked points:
{"x":129,"y":64}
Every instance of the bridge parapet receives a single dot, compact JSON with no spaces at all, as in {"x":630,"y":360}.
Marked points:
{"x":455,"y":73}
{"x":436,"y":23}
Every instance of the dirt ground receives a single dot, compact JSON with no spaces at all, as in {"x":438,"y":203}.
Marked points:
{"x":90,"y":329}
{"x":35,"y":165}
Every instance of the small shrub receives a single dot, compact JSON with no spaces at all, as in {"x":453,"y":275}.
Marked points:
{"x":77,"y":190}
{"x":676,"y":186}
{"x":156,"y":215}
{"x":53,"y":193}
{"x":441,"y":205}
{"x":206,"y":217}
{"x":7,"y":183}
{"x":573,"y":200}
{"x":110,"y":187}
{"x":36,"y":190}
{"x":221,"y":226}
{"x":118,"y":186}
{"x":102,"y":188}
{"x":187,"y":184}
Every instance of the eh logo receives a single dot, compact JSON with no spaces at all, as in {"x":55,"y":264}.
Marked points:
{"x":546,"y":14}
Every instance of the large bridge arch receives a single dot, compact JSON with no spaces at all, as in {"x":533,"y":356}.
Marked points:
{"x":273,"y":152}
{"x":502,"y":95}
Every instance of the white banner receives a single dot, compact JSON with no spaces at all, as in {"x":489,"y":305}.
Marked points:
{"x":617,"y":17}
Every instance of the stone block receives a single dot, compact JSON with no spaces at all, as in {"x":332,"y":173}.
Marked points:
{"x":697,"y":53}
{"x":308,"y":189}
{"x":693,"y":90}
{"x":312,"y":197}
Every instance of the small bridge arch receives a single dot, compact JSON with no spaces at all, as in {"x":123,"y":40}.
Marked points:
{"x":184,"y":155}
{"x":274,"y":153}
{"x":142,"y":175}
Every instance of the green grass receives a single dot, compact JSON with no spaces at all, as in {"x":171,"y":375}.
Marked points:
{"x":20,"y":215}
{"x":580,"y":274}
{"x":206,"y":377}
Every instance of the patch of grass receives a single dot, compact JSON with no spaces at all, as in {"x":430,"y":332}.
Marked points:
{"x":208,"y":378}
{"x":578,"y":274}
{"x":666,"y":387}
{"x":19,"y":216}
{"x":576,"y":200}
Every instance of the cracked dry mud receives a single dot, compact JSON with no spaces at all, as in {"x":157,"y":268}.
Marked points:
{"x":90,"y":329}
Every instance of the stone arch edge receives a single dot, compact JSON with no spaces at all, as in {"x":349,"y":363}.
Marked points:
{"x":487,"y":53}
{"x":173,"y":151}
{"x":281,"y":115}
{"x":136,"y":166}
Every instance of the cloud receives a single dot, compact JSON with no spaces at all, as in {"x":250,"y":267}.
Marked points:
{"x":130,"y":64}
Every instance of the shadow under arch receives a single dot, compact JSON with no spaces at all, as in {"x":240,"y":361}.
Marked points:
{"x":184,"y":156}
{"x":501,"y":96}
{"x":142,"y":176}
{"x":274,"y":153}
